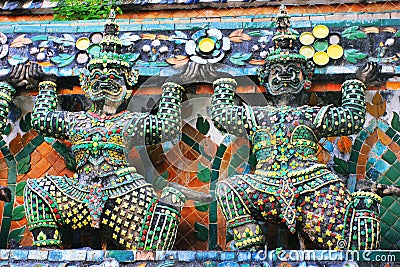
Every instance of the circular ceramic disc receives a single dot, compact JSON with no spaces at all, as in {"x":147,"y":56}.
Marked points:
{"x":334,"y":38}
{"x":206,"y":45}
{"x":306,"y":38}
{"x":82,"y":43}
{"x":82,"y":57}
{"x":321,"y":58}
{"x":335,"y":51}
{"x":320,"y":45}
{"x":94,"y":50}
{"x":320,"y":31}
{"x":96,"y":37}
{"x":307,"y":51}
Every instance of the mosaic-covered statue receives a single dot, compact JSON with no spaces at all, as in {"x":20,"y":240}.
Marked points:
{"x":105,"y":192}
{"x":7,"y":93}
{"x":289,"y":185}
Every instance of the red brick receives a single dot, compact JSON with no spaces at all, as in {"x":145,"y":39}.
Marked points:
{"x":203,"y":89}
{"x":44,"y":149}
{"x":52,"y":156}
{"x":16,"y":145}
{"x":59,"y":165}
{"x":39,"y":169}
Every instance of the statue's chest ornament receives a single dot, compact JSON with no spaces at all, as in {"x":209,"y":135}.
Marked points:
{"x":100,"y":140}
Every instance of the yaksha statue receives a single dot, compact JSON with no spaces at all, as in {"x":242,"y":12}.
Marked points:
{"x":105,"y":192}
{"x":289,"y":185}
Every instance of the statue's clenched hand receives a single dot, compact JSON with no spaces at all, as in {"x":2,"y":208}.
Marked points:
{"x":28,"y":75}
{"x":197,"y":73}
{"x":369,"y":74}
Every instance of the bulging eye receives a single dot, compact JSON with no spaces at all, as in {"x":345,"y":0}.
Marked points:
{"x":97,"y":76}
{"x":112,"y":76}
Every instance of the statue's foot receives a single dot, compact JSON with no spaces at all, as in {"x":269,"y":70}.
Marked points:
{"x":191,"y":194}
{"x":5,"y":194}
{"x":381,"y":190}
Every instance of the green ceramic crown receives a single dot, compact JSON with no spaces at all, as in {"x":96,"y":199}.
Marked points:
{"x":110,"y":48}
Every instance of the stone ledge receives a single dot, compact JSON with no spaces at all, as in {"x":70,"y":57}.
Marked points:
{"x":77,"y":257}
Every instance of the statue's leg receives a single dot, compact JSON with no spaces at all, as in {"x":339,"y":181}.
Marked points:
{"x":332,"y":219}
{"x":138,"y":220}
{"x":164,"y":220}
{"x":235,"y":205}
{"x":42,"y":213}
{"x":322,"y":215}
{"x":363,"y":221}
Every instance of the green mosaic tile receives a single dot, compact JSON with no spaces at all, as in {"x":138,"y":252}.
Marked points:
{"x":397,"y":165}
{"x":214,"y":177}
{"x":385,"y":180}
{"x":389,"y":157}
{"x":213,"y":236}
{"x":190,"y":142}
{"x":392,"y":174}
{"x":236,"y":161}
{"x":357,"y":145}
{"x":352,"y":166}
{"x":221,"y":151}
{"x":37,"y":140}
{"x":387,"y":201}
{"x":389,"y":218}
{"x":391,"y":133}
{"x":390,"y":223}
{"x":243,"y":152}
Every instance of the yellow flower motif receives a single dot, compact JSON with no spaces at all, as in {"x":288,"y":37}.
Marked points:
{"x":309,"y":215}
{"x":317,"y":193}
{"x":324,"y":205}
{"x":335,"y":210}
{"x":338,"y":237}
{"x":328,"y":196}
{"x":274,"y":212}
{"x":271,"y":199}
{"x":338,"y":198}
{"x":332,"y":220}
{"x":318,"y":229}
{"x":320,"y":240}
{"x":264,"y":213}
{"x":260,"y":202}
{"x":328,"y":233}
{"x":329,"y":243}
{"x":315,"y":205}
{"x":307,"y":199}
{"x":321,"y":218}
{"x":308,"y":225}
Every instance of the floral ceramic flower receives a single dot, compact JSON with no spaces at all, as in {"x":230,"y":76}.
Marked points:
{"x":207,"y":46}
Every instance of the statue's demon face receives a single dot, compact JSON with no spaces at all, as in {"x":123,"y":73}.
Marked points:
{"x":289,"y":77}
{"x":108,"y":86}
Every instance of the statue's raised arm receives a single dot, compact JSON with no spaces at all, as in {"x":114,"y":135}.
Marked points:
{"x":349,"y":117}
{"x":147,"y":129}
{"x":227,"y":116}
